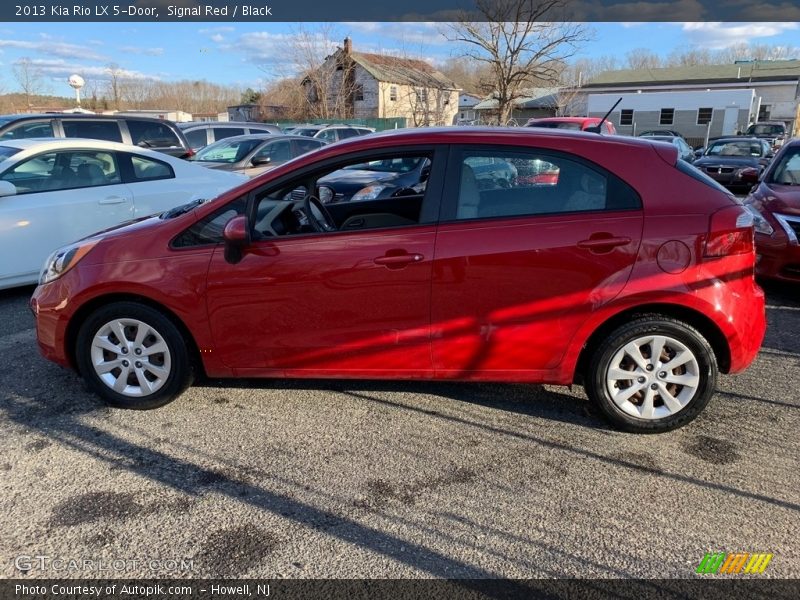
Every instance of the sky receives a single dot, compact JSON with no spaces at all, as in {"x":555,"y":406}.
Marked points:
{"x":249,"y":54}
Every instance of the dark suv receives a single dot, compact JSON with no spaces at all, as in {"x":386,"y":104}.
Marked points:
{"x":155,"y":134}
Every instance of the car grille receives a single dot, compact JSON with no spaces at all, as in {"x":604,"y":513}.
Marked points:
{"x":719,"y":170}
{"x":791,"y":224}
{"x":795,"y":225}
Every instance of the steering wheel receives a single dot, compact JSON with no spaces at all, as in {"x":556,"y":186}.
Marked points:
{"x":318,"y":216}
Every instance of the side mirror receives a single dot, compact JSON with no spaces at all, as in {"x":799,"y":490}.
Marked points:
{"x":237,"y":236}
{"x":750,"y":175}
{"x":325,"y":194}
{"x":260,"y":161}
{"x":7,"y":189}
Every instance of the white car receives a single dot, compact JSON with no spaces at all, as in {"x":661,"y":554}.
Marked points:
{"x":56,"y":191}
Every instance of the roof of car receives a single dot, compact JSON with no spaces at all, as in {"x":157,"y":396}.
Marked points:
{"x":267,"y":137}
{"x":56,"y":143}
{"x":564,"y":119}
{"x":735,"y":138}
{"x":61,"y":115}
{"x":191,"y":124}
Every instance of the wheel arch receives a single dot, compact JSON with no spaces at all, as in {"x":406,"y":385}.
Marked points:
{"x":706,"y":326}
{"x":80,"y":316}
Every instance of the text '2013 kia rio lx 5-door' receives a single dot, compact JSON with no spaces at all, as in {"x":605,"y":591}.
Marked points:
{"x":626,"y":270}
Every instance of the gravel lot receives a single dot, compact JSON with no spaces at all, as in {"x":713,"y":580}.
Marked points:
{"x":371,"y":479}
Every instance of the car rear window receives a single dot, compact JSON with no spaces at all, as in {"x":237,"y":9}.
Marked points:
{"x":557,"y":125}
{"x":695,"y":173}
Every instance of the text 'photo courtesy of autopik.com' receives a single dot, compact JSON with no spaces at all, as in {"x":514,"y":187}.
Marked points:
{"x":458,"y":299}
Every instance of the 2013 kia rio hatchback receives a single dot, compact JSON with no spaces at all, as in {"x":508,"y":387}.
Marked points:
{"x":625,"y":269}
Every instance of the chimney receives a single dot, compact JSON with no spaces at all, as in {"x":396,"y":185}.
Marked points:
{"x":348,"y":45}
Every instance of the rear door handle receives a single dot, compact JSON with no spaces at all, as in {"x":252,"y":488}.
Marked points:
{"x":398,"y":260}
{"x":112,"y":200}
{"x":603,"y":243}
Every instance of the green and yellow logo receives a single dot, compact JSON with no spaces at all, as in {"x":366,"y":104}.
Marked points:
{"x":733,"y":563}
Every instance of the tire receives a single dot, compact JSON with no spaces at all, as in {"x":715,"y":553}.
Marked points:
{"x":163,"y":369}
{"x":652,"y":399}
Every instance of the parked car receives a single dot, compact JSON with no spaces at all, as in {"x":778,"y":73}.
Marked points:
{"x":685,"y":151}
{"x":154,"y":134}
{"x":254,"y":154}
{"x":201,"y":134}
{"x":382,"y":178}
{"x":632,"y":275}
{"x":662,"y":132}
{"x":331,"y":133}
{"x":725,"y":160}
{"x":53,"y":192}
{"x":572,"y":123}
{"x":775,"y":204}
{"x":774,"y":133}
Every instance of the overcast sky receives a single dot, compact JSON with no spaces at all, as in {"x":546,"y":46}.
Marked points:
{"x":246,"y":54}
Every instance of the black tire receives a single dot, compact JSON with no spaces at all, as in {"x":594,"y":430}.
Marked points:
{"x":605,"y":352}
{"x":180,"y":366}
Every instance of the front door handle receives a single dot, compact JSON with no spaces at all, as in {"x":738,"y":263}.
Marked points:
{"x":603,"y":244}
{"x":112,"y":200}
{"x":398,"y":260}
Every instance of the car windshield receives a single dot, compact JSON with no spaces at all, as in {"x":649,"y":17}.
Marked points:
{"x":306,"y":131}
{"x":227,"y":151}
{"x":557,"y":125}
{"x":5,"y":152}
{"x":389,"y":165}
{"x":787,"y":169}
{"x":766,"y":130}
{"x":736,"y":148}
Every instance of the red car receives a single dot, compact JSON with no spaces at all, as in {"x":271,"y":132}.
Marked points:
{"x":633,"y":274}
{"x":775,"y":204}
{"x":573,"y":123}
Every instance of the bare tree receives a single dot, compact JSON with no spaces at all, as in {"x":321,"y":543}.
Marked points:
{"x":521,"y":41}
{"x":642,"y":58}
{"x":115,"y":77}
{"x":29,"y":78}
{"x":690,"y":58}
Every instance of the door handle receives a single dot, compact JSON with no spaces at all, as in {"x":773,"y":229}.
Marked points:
{"x":112,"y":200}
{"x":398,"y":260}
{"x":600,"y":244}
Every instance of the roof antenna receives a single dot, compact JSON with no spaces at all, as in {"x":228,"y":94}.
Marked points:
{"x":599,"y":127}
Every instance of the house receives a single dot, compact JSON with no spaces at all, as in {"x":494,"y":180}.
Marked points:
{"x":775,"y":86}
{"x":466,"y":109}
{"x":368,"y":86}
{"x":533,"y":103}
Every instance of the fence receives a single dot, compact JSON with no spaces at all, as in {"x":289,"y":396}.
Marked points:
{"x":377,"y":124}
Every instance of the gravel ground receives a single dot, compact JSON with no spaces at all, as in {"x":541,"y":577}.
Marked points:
{"x":375,"y":480}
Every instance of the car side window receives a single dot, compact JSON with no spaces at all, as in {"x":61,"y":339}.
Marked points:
{"x":147,"y":169}
{"x":278,"y":151}
{"x":196,"y":138}
{"x":502,"y":183}
{"x":329,"y":135}
{"x":209,"y":229}
{"x":55,"y":171}
{"x":29,"y":129}
{"x":93,"y":130}
{"x":347,"y":132}
{"x":220,"y":133}
{"x":148,"y":134}
{"x":303,"y":145}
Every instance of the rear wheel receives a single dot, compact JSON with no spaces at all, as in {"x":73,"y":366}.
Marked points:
{"x":133,"y":356}
{"x":653,"y":374}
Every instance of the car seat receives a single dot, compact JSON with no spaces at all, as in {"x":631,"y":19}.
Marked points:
{"x":91,"y":174}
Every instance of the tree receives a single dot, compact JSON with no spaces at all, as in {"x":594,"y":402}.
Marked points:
{"x":29,"y":79}
{"x":115,"y":76}
{"x":250,"y":96}
{"x":642,"y":58}
{"x":521,"y":41}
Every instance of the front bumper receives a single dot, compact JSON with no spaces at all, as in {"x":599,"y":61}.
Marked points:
{"x":48,"y":306}
{"x":777,"y":258}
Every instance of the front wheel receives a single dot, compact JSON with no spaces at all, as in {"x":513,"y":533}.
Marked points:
{"x":653,"y":374}
{"x":133,"y":356}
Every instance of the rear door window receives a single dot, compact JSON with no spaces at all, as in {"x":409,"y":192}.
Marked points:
{"x":93,"y":130}
{"x":147,"y":169}
{"x":220,"y":133}
{"x":197,"y":138}
{"x":149,"y":134}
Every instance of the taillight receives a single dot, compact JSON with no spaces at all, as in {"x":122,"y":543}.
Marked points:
{"x":730,"y":232}
{"x":189,"y":154}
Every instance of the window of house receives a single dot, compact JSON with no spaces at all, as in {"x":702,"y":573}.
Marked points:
{"x":626,"y":116}
{"x":393,"y":93}
{"x":358,"y":92}
{"x":667,"y":116}
{"x":704,"y":115}
{"x":423,"y":95}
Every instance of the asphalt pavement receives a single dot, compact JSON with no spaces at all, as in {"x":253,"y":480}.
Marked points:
{"x":390,"y":479}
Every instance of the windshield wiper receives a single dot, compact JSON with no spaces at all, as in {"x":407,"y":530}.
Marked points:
{"x":182,"y":209}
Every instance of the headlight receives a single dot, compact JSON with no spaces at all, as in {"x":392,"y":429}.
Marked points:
{"x":759,"y":222}
{"x":368,"y":193}
{"x":63,"y":259}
